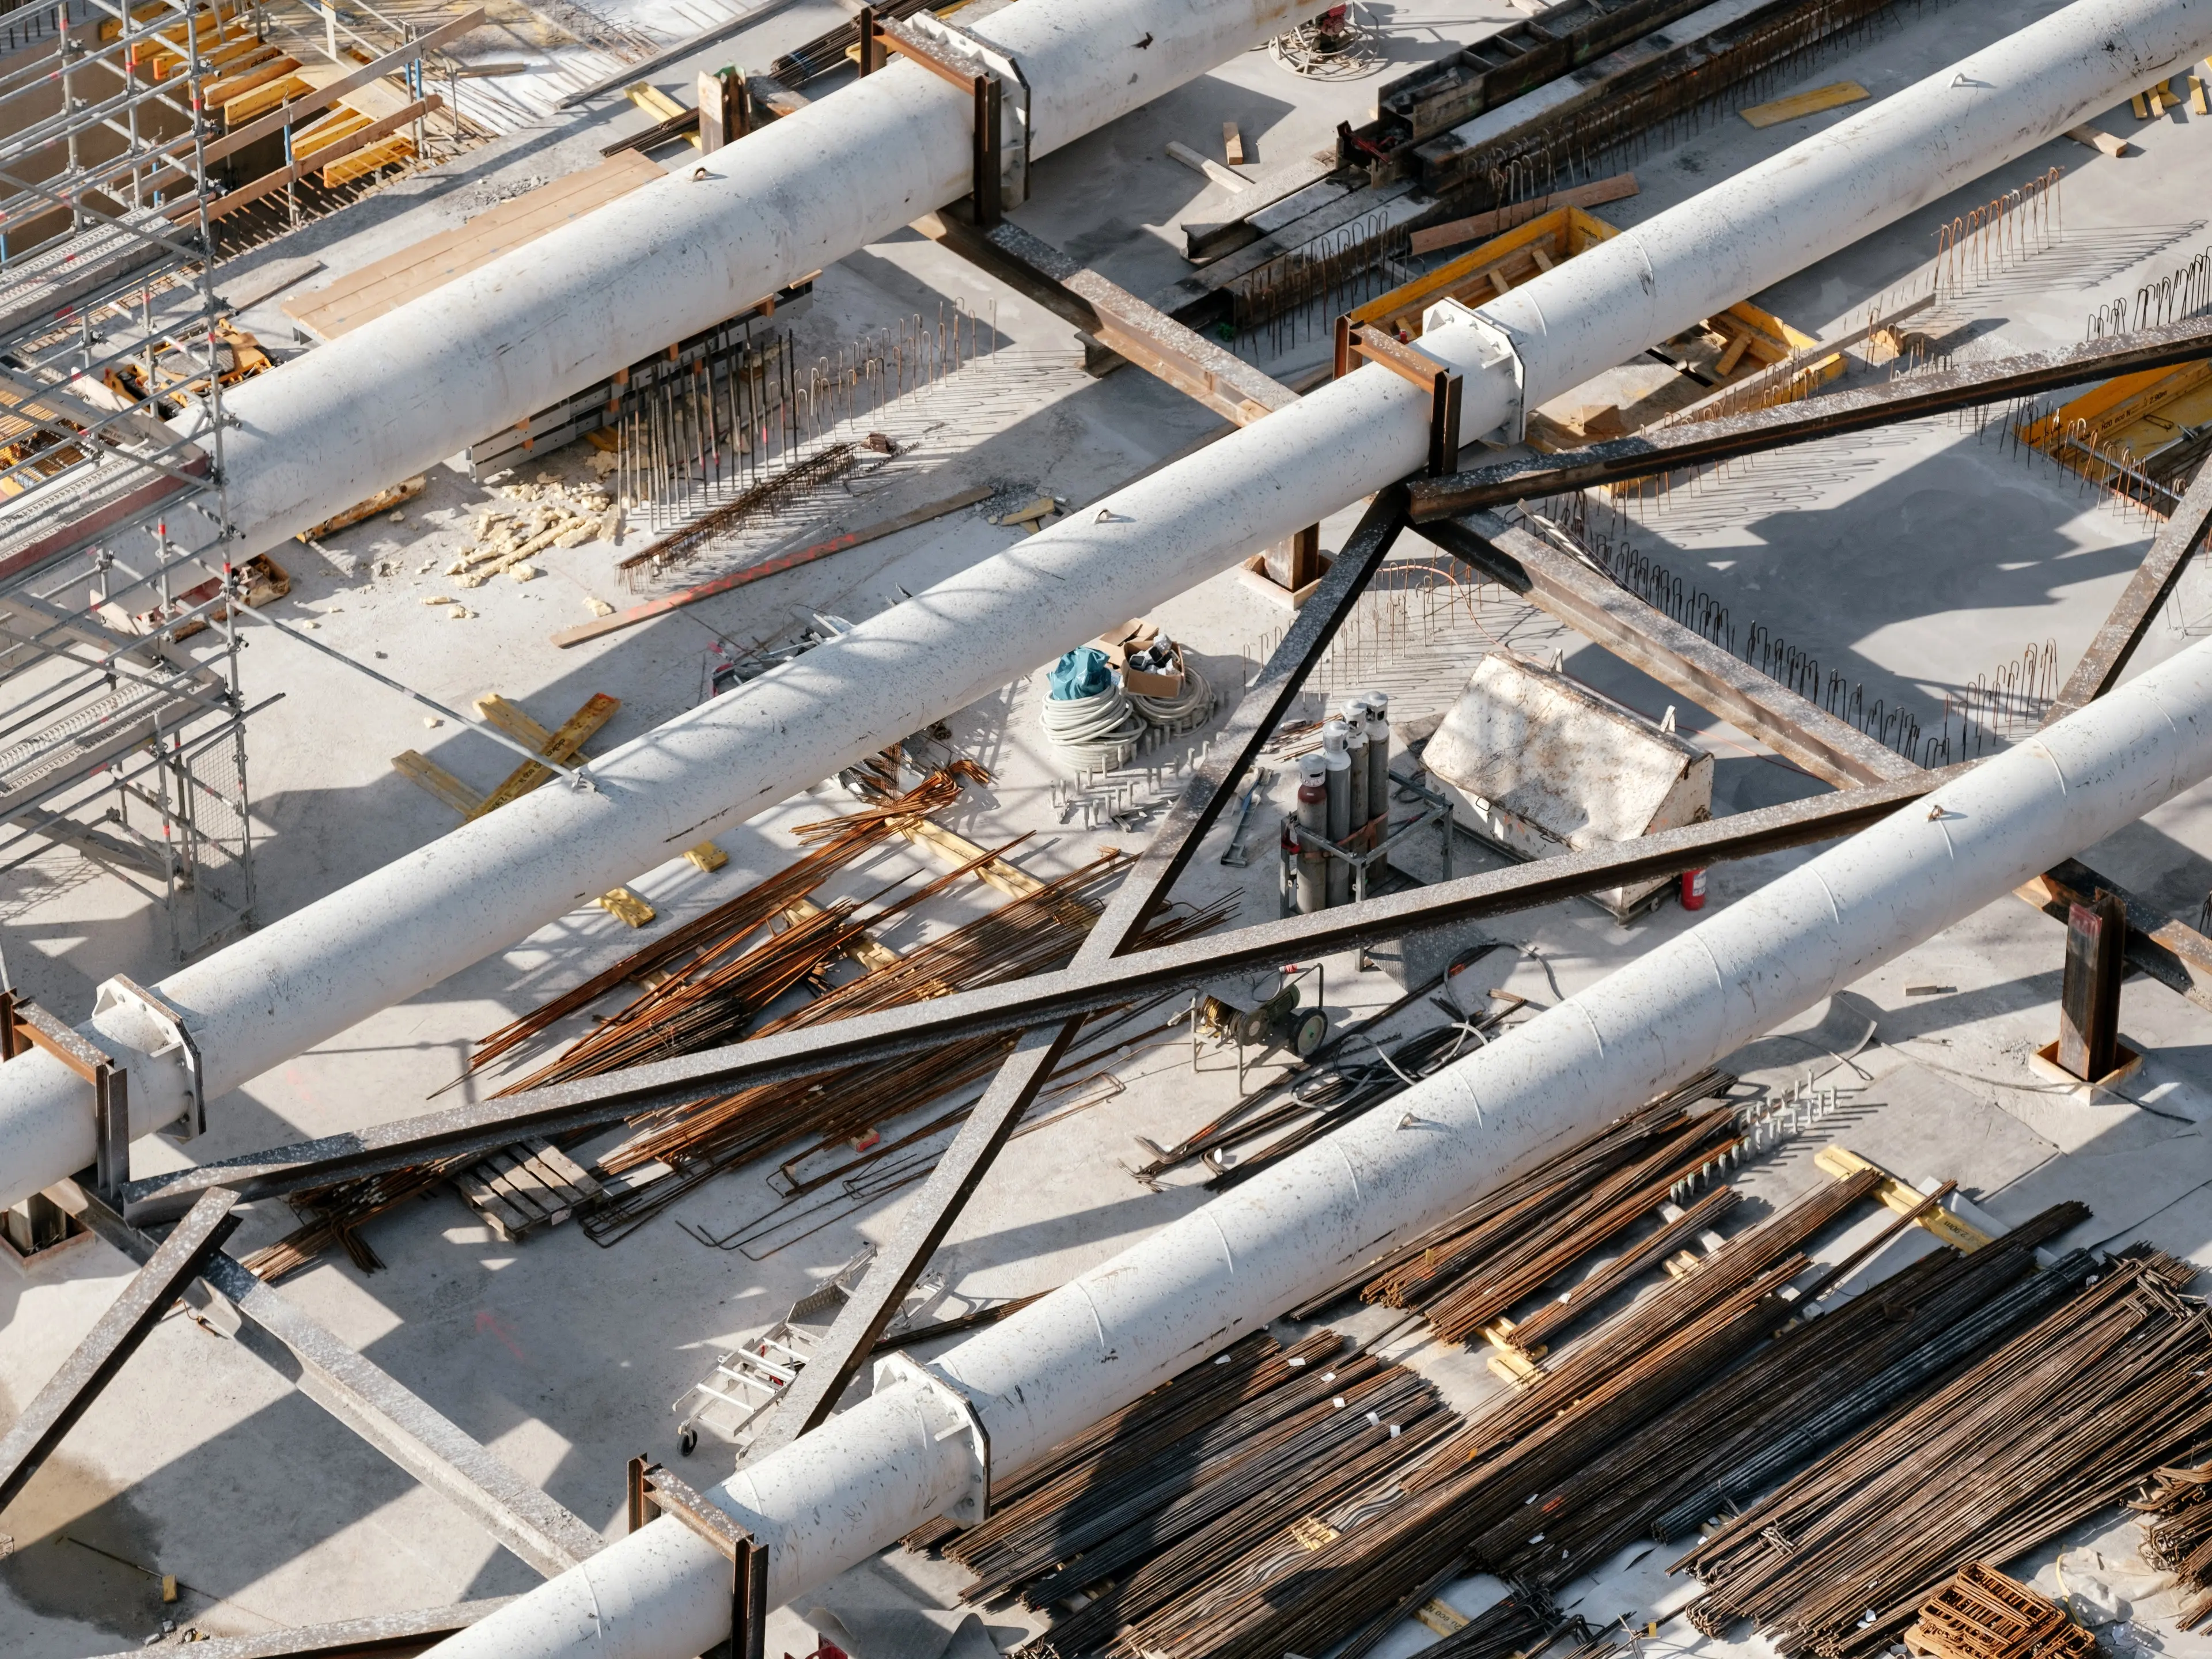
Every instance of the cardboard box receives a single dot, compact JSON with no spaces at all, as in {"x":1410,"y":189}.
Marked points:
{"x":1118,"y":642}
{"x":1139,"y":683}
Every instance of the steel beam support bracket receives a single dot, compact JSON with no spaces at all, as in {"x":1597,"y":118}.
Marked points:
{"x":24,"y":1025}
{"x":1443,"y":385}
{"x":120,"y":992}
{"x":940,"y":52}
{"x":961,"y":1419}
{"x":1498,"y":351}
{"x":654,"y":1492}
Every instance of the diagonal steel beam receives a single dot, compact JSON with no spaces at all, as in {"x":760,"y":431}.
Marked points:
{"x":1599,"y":608}
{"x":394,"y":1634}
{"x":838,"y":1358}
{"x":2155,"y":580}
{"x":1024,"y":1003}
{"x":2170,"y":952}
{"x":1912,"y":398}
{"x":127,"y":1322}
{"x":373,"y":1404}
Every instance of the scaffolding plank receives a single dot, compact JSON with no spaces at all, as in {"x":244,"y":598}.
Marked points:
{"x":127,"y":1322}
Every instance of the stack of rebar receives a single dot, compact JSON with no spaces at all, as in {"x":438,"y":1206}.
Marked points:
{"x":1314,"y":1425}
{"x":2062,"y":1420}
{"x":1822,"y":1379}
{"x":1461,"y":1282}
{"x":2177,"y":1534}
{"x":709,"y":938}
{"x":691,"y":1143}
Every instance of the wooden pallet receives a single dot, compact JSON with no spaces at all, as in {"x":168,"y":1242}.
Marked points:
{"x":531,"y":1185}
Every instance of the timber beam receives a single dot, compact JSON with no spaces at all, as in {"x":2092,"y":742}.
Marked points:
{"x":1115,"y":318}
{"x":1910,"y":397}
{"x":371,"y":1402}
{"x":1031,"y":1001}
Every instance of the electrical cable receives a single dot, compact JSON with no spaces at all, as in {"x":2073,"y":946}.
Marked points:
{"x":1099,"y":732}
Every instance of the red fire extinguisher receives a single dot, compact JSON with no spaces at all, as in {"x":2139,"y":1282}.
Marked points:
{"x":1693,"y":889}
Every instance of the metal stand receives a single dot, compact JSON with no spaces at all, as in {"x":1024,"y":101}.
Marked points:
{"x":1365,"y":847}
{"x":654,"y":1492}
{"x":1231,"y":1026}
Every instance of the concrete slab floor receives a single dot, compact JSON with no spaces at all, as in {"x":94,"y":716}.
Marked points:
{"x":1877,"y":555}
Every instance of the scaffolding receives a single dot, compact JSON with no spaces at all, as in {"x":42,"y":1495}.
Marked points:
{"x":121,"y":718}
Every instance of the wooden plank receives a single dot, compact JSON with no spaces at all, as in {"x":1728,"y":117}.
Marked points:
{"x":428,"y":775}
{"x":502,"y":1217}
{"x":668,"y":602}
{"x":504,"y":716}
{"x":1213,"y":170}
{"x":1799,"y":105}
{"x":360,"y":296}
{"x":562,"y":745}
{"x":548,"y":1177}
{"x":1902,"y":1198}
{"x":957,"y":850}
{"x":579,"y":1179}
{"x":391,"y":63}
{"x":626,"y":906}
{"x":248,"y":194}
{"x":503,"y":1171}
{"x":1593,"y":194}
{"x":2096,"y":139}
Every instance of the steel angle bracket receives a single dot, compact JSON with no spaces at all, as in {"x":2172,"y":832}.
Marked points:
{"x":1014,"y":109}
{"x":1498,"y":348}
{"x":959,"y":1418}
{"x":120,"y":993}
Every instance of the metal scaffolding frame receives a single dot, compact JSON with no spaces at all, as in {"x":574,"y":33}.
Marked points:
{"x":117,"y":738}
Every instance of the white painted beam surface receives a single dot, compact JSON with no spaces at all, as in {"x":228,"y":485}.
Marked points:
{"x":837,"y":1496}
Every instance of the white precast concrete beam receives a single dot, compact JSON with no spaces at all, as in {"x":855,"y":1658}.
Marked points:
{"x":834,"y":1496}
{"x":394,"y":933}
{"x":428,"y":380}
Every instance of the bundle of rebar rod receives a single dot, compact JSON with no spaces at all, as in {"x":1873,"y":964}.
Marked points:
{"x":2178,"y":1533}
{"x":1321,"y":1412}
{"x":2060,"y":1422}
{"x":826,"y":51}
{"x":1416,"y":1529}
{"x":1819,"y":1380}
{"x":1030,"y":934}
{"x":1460,"y":1284}
{"x":722,"y":929}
